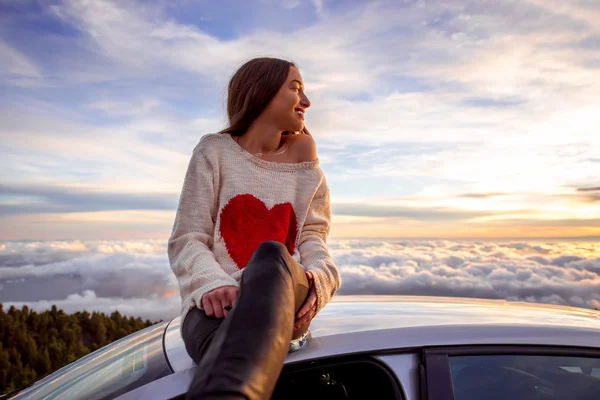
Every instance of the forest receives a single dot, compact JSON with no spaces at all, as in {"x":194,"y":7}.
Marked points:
{"x":36,"y":344}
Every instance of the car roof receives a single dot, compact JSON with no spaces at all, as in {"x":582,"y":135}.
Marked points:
{"x":362,"y":313}
{"x":354,"y":324}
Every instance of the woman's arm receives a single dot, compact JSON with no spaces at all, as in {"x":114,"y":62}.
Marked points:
{"x":190,"y":243}
{"x":314,"y":255}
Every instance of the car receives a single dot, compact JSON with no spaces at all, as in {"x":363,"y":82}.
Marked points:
{"x":376,"y":347}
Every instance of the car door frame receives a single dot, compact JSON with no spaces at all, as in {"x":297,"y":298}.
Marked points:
{"x":435,"y":378}
{"x":175,"y":386}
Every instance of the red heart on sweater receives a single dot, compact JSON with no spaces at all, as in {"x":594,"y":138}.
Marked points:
{"x":246,"y":222}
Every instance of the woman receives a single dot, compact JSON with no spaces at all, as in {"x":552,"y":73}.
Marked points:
{"x":248,"y":244}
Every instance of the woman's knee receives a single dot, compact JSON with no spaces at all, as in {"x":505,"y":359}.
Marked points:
{"x":269,"y":252}
{"x":269,"y":248}
{"x":268,"y":259}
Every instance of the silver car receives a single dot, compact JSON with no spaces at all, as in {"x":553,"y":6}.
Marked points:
{"x":376,"y":347}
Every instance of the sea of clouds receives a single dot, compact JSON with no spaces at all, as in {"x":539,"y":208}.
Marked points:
{"x":134,"y":277}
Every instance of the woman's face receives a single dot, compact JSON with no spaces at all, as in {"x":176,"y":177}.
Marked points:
{"x":289,"y":104}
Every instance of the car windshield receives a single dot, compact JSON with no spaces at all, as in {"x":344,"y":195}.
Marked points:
{"x":108,"y":372}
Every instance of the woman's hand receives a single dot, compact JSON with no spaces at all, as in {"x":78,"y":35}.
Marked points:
{"x":213,"y":302}
{"x":309,"y":309}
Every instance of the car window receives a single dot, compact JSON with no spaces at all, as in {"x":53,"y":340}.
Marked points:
{"x":517,"y":377}
{"x":108,"y":372}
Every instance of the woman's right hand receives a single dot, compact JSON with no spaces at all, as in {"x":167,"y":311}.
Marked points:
{"x":213,"y":302}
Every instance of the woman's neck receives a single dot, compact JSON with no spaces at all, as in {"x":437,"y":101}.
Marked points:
{"x":261,"y":138}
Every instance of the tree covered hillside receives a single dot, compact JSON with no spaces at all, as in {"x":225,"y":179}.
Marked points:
{"x":35,"y":344}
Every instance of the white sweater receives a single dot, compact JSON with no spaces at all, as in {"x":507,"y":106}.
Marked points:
{"x":231,"y":202}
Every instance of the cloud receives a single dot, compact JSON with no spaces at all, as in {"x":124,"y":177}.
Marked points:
{"x":152,"y":308}
{"x":415,"y":101}
{"x":591,"y":42}
{"x":588,"y":195}
{"x":134,"y":276}
{"x":483,"y":195}
{"x":56,"y":199}
{"x":515,"y":271}
{"x":125,"y":270}
{"x":556,"y":222}
{"x":491,"y":102}
{"x":17,"y":68}
{"x":37,"y":257}
{"x":318,"y":5}
{"x":36,"y":253}
{"x":373,"y":210}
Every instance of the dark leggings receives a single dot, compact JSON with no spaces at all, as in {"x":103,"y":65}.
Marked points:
{"x":241,"y":356}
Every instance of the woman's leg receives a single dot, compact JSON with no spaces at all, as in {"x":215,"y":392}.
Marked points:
{"x":247,"y":351}
{"x":197,"y":332}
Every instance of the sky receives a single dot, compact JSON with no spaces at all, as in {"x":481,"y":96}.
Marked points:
{"x":433,"y":119}
{"x":460,"y":141}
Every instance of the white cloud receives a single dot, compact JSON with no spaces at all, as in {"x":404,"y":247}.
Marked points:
{"x":538,"y":272}
{"x":503,"y":88}
{"x":134,"y":277}
{"x":152,"y":308}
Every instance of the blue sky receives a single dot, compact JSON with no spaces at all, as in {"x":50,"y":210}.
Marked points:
{"x":432,"y":119}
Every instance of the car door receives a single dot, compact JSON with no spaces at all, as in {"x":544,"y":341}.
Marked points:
{"x":346,"y":377}
{"x":510,"y":372}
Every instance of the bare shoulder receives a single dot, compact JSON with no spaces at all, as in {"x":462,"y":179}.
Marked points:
{"x":304,"y":147}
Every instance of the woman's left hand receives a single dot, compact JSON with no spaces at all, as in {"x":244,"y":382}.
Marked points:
{"x":309,"y":309}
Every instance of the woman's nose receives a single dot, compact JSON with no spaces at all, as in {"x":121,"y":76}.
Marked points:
{"x":304,"y":102}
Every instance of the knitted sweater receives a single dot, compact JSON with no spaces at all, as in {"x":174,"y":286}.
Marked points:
{"x":231,"y":202}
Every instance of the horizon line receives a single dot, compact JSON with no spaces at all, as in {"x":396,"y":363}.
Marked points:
{"x":584,"y":238}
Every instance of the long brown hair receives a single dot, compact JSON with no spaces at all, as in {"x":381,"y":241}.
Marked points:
{"x":251,"y":89}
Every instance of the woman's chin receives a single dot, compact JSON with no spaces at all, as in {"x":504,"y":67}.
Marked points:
{"x":295,"y":126}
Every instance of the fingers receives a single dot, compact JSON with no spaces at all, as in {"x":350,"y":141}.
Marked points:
{"x":309,"y":275}
{"x":307,"y":317}
{"x":217,"y":308}
{"x":229,"y":299}
{"x":311,"y":298}
{"x":207,"y":305}
{"x":214,"y":301}
{"x":233,"y":295}
{"x":307,"y":311}
{"x":310,"y":301}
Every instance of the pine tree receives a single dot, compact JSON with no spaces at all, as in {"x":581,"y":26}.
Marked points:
{"x":5,"y":367}
{"x":35,"y":344}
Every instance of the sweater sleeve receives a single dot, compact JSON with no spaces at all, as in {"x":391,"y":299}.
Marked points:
{"x":189,"y":248}
{"x":314,"y":255}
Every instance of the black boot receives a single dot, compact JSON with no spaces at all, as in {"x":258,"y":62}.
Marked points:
{"x":246,"y":353}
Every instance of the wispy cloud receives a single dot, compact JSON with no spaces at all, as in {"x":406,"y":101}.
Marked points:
{"x":17,"y":68}
{"x":483,"y":195}
{"x":422,"y":214}
{"x":51,"y":199}
{"x":431,"y":108}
